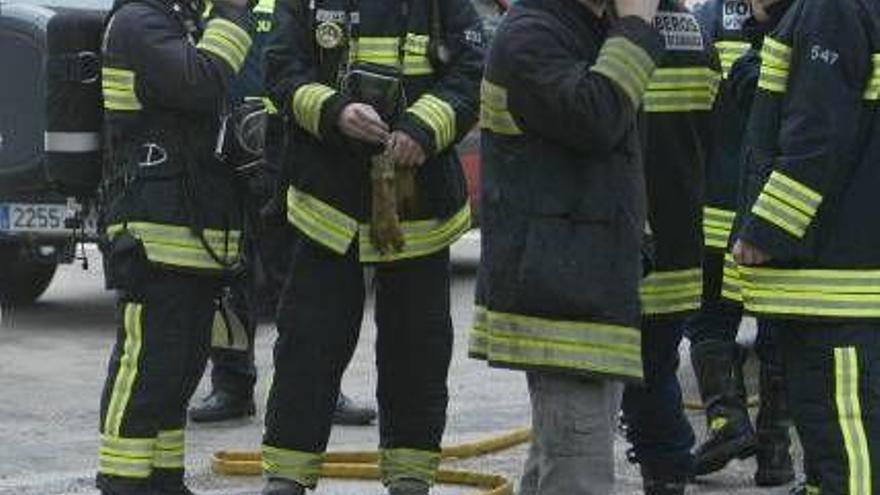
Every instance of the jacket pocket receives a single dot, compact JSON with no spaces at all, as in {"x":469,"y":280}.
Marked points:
{"x":571,"y":269}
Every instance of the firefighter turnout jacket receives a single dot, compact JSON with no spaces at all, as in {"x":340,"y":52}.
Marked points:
{"x":722,"y":22}
{"x":811,"y":165}
{"x":563,"y":198}
{"x":329,"y":195}
{"x":677,"y":133}
{"x":164,"y":78}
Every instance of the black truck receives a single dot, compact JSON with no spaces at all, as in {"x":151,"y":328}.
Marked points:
{"x":50,"y":141}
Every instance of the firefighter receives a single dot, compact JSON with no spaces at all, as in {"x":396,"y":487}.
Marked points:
{"x":716,"y":357}
{"x":563,"y":213}
{"x":676,"y":138}
{"x":366,"y":84}
{"x":172,"y":218}
{"x":808,"y":255}
{"x":267,"y":241}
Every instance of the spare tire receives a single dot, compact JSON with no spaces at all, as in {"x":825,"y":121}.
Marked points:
{"x":23,"y":279}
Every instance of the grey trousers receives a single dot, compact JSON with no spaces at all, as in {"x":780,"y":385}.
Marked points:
{"x":573,"y":420}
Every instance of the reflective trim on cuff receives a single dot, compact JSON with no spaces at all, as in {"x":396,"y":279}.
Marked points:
{"x":775,"y":63}
{"x":126,"y":457}
{"x":787,"y":204}
{"x":439,"y":116}
{"x":717,"y":226}
{"x":627,"y":64}
{"x":494,"y":113}
{"x":168,"y":452}
{"x":398,"y":464}
{"x":227,"y":40}
{"x":308,"y":103}
{"x":301,"y":467}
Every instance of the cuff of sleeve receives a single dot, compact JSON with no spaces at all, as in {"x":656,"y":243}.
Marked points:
{"x":629,"y":56}
{"x":228,"y":36}
{"x":410,"y":125}
{"x":329,"y":124}
{"x":437,"y":118}
{"x":316,"y":108}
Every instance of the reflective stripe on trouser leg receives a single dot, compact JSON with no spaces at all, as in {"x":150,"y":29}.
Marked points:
{"x":119,"y":456}
{"x":399,"y":464}
{"x":168,"y":450}
{"x":301,"y":467}
{"x":849,"y":415}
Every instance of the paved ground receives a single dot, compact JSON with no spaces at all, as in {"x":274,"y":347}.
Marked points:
{"x":52,"y":359}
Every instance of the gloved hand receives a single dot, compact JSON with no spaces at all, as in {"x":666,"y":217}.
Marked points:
{"x":743,"y":78}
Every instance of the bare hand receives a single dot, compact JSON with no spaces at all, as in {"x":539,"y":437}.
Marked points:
{"x":362,"y":122}
{"x":748,"y":254}
{"x":639,"y":8}
{"x":405,"y":151}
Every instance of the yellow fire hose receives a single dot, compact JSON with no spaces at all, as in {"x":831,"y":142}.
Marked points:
{"x":364,"y":464}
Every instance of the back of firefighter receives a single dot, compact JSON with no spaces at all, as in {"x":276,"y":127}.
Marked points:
{"x":716,"y":357}
{"x":809,"y":255}
{"x":675,"y":137}
{"x":324,"y":61}
{"x":563,"y":213}
{"x":172,"y":219}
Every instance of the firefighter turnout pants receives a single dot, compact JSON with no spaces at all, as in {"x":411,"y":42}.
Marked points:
{"x":833,"y":379}
{"x":319,"y":321}
{"x":164,"y":336}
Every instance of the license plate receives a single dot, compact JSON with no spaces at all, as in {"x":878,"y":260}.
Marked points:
{"x":25,"y":217}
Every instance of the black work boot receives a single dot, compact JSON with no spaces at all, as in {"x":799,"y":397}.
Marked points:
{"x":349,"y":413}
{"x":169,"y":482}
{"x":117,"y":485}
{"x":278,"y":486}
{"x":775,"y":466}
{"x":719,"y":377}
{"x":222,"y":406}
{"x":663,"y":482}
{"x":408,"y":487}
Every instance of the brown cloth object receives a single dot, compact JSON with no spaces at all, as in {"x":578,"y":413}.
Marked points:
{"x":394,"y":197}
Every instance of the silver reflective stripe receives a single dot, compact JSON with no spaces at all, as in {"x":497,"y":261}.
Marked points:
{"x":72,"y":142}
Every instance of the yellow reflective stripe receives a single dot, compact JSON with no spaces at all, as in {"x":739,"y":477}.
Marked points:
{"x":227,"y":40}
{"x":125,"y":468}
{"x":308,"y":102}
{"x":813,"y":292}
{"x":535,"y":341}
{"x":321,"y":222}
{"x":439,"y":116}
{"x":177,"y":246}
{"x":127,"y":373}
{"x":732,"y":282}
{"x":729,"y":52}
{"x":674,"y":291}
{"x":627,"y":64}
{"x":775,"y":63}
{"x":793,"y":192}
{"x":681,"y":89}
{"x":383,"y":50}
{"x":267,"y":102}
{"x":717,"y":226}
{"x":265,"y":7}
{"x":872,"y":91}
{"x":666,"y":101}
{"x":849,"y":417}
{"x":420,"y":238}
{"x":478,"y":345}
{"x":128,"y":457}
{"x":302,"y":467}
{"x":168,"y":452}
{"x":494,"y":113}
{"x":813,"y":490}
{"x":781,"y":215}
{"x":118,"y":87}
{"x":396,"y":464}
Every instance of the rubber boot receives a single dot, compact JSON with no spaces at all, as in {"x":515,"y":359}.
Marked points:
{"x":663,"y":482}
{"x":775,"y":466}
{"x":350,"y":413}
{"x":116,"y":485}
{"x":719,"y":377}
{"x":221,"y":405}
{"x":169,"y":482}
{"x":278,"y":486}
{"x":408,"y":487}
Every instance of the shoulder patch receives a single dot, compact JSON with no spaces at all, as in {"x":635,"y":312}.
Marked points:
{"x":680,"y":31}
{"x":734,"y":13}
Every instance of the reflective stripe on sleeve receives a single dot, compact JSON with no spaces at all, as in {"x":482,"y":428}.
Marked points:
{"x":118,"y":87}
{"x":717,"y":226}
{"x":849,"y":417}
{"x":669,"y":292}
{"x":729,"y":52}
{"x":494,"y":113}
{"x":227,"y":40}
{"x":627,"y":64}
{"x":437,"y":115}
{"x":872,"y":91}
{"x":308,"y":102}
{"x":787,"y":204}
{"x":775,"y":63}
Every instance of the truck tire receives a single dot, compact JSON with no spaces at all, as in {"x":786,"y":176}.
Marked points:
{"x":23,"y":280}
